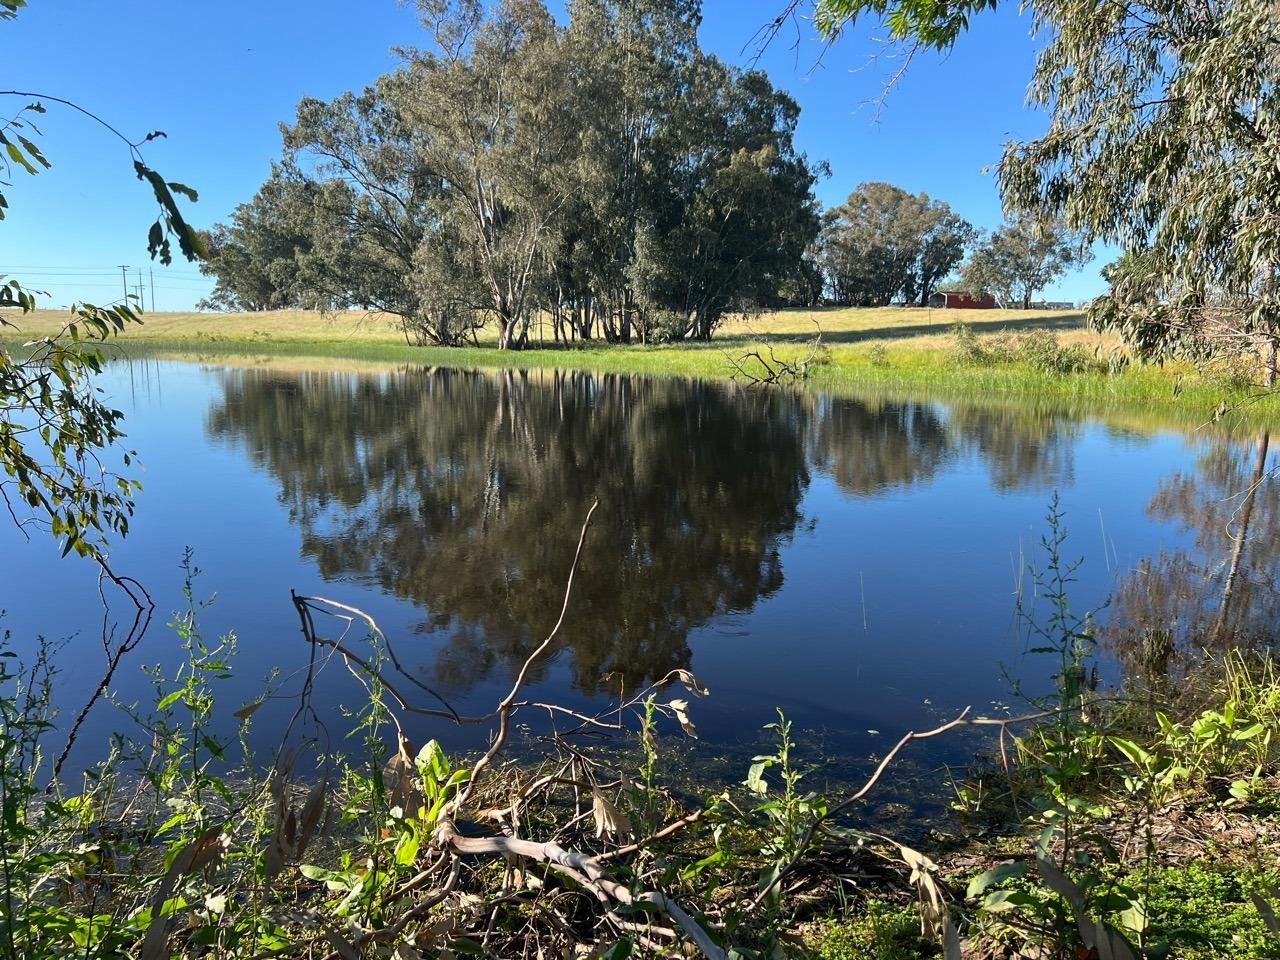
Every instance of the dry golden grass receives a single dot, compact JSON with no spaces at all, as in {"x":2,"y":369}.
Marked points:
{"x":290,"y":325}
{"x":899,"y":326}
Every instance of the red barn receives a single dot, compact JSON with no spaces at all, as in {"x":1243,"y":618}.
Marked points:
{"x":960,"y":300}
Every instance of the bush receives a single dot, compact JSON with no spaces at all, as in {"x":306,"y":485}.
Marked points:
{"x":1039,"y":350}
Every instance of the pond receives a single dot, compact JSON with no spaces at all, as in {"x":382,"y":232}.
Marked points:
{"x":855,"y":562}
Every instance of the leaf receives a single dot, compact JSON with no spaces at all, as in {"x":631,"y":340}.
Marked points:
{"x":18,"y":156}
{"x":691,"y":683}
{"x":198,"y":853}
{"x":1136,"y":755}
{"x":1267,"y":910}
{"x":170,"y":699}
{"x":1061,"y":884}
{"x":609,"y":819}
{"x":678,"y":707}
{"x":1110,"y":945}
{"x":247,"y":711}
{"x":342,"y":946}
{"x":951,"y":941}
{"x":997,"y":874}
{"x":312,"y":812}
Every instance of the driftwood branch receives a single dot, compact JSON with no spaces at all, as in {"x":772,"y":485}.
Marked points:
{"x":760,"y":370}
{"x":584,"y":869}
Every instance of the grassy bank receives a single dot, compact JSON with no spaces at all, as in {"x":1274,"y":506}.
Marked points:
{"x":893,"y":353}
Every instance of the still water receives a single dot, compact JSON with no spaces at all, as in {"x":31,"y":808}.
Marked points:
{"x":856,"y":563}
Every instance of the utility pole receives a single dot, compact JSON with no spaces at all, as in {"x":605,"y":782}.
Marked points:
{"x":142,"y":297}
{"x":151,"y":271}
{"x":124,"y":280}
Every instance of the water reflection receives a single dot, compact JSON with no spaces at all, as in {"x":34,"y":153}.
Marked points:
{"x":867,"y":448}
{"x":464,"y":492}
{"x":1220,"y":592}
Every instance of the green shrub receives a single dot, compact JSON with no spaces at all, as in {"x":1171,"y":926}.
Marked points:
{"x":883,"y":931}
{"x":1205,"y":912}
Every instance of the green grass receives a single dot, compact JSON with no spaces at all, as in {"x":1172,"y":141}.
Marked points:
{"x":890,"y":353}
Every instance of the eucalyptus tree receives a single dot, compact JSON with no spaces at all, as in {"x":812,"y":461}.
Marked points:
{"x":1021,"y":258}
{"x":633,"y":60}
{"x":606,"y":171}
{"x":492,"y":113}
{"x":1162,"y":138}
{"x":742,"y":212}
{"x":883,"y":243}
{"x":943,"y":243}
{"x":695,"y":201}
{"x":255,"y":256}
{"x":368,"y":211}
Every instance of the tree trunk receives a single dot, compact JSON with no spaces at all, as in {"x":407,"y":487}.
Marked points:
{"x":1273,"y":343}
{"x":506,"y":332}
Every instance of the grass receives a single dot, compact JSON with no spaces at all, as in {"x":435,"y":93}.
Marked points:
{"x":894,"y":353}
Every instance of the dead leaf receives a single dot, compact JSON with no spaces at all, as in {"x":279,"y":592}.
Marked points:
{"x":951,"y":941}
{"x":247,"y":711}
{"x":691,"y":683}
{"x":312,"y":811}
{"x":609,"y":819}
{"x":678,"y":707}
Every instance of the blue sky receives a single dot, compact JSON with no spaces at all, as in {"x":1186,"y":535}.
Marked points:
{"x":219,"y":78}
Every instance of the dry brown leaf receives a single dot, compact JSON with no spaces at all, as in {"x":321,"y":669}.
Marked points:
{"x":247,"y":711}
{"x":609,"y":819}
{"x":691,"y":683}
{"x":679,"y":708}
{"x":312,"y":811}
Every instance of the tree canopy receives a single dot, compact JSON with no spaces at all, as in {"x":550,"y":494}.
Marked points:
{"x":883,"y":243}
{"x":606,"y":173}
{"x":1021,"y":258}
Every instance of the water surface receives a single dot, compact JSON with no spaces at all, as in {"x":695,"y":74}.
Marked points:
{"x":854,"y":562}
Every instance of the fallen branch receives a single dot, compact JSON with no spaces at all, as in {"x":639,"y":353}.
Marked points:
{"x":581,"y":866}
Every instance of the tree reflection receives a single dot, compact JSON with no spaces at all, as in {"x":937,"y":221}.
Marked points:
{"x":1022,"y":449}
{"x":464,"y":492}
{"x":1223,"y":591}
{"x":868,"y":447}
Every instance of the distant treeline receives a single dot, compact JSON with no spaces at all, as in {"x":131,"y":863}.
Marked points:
{"x":605,"y":175}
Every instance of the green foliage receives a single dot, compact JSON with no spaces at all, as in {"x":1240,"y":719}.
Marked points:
{"x":1209,"y":911}
{"x":881,"y":931}
{"x":606,"y":174}
{"x":54,"y":427}
{"x":1021,"y":258}
{"x":1039,"y":351}
{"x":930,"y":23}
{"x":1180,"y":174}
{"x":883,"y":242}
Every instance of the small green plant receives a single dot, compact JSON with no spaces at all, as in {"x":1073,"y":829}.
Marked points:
{"x":879,"y":931}
{"x":787,"y":810}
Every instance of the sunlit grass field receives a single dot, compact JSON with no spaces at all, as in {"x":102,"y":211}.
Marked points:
{"x":896,"y":352}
